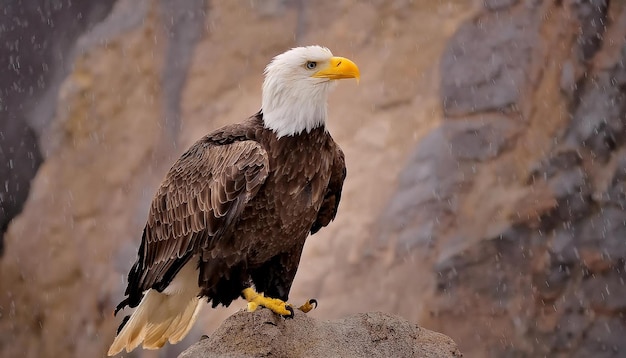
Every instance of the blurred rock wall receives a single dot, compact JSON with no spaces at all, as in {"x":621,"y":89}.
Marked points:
{"x":93,"y":113}
{"x":518,"y":196}
{"x":36,"y":43}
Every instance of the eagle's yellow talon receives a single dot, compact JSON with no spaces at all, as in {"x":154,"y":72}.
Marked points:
{"x":256,"y":299}
{"x":252,"y":306}
{"x":308,"y":305}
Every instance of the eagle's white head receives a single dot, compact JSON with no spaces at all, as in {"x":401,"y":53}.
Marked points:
{"x":296,"y":87}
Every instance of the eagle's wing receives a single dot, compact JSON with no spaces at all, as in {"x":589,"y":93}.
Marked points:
{"x":329,"y":207}
{"x":201,"y":196}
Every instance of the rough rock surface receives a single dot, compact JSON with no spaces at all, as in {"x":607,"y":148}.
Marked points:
{"x":264,"y":334}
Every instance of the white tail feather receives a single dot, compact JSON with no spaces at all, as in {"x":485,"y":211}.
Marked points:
{"x":185,"y":324}
{"x":172,"y":329}
{"x":162,"y":317}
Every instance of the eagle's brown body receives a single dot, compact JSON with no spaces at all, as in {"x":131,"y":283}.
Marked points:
{"x":241,"y":202}
{"x":233,"y":213}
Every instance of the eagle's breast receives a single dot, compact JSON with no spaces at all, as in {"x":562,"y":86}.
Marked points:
{"x":282,"y":213}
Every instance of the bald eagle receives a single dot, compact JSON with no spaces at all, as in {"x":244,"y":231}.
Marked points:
{"x":232,"y":214}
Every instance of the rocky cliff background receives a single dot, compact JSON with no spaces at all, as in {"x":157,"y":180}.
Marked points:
{"x":485,"y":147}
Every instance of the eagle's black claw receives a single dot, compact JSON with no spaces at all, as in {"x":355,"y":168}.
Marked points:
{"x":291,"y":313}
{"x":308,"y":306}
{"x":121,"y":306}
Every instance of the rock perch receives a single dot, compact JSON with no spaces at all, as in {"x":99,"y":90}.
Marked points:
{"x":375,"y":334}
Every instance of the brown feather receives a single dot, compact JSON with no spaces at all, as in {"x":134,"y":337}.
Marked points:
{"x":199,"y":189}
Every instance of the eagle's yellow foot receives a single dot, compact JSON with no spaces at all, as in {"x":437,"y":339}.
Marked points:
{"x":308,"y":305}
{"x":277,"y":306}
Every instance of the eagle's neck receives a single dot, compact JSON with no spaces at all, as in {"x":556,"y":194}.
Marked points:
{"x":289,"y":111}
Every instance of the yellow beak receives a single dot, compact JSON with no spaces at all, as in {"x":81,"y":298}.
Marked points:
{"x":339,"y":68}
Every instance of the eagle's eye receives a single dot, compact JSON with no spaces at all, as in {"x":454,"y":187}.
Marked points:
{"x":311,"y":65}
